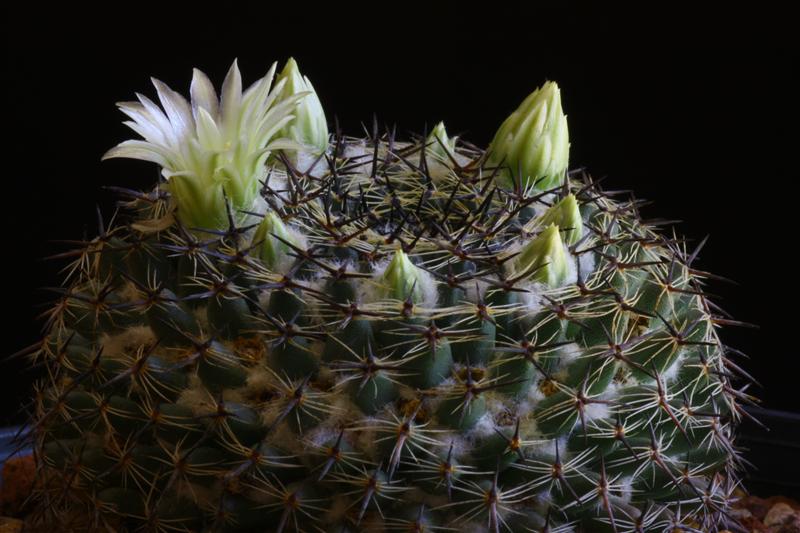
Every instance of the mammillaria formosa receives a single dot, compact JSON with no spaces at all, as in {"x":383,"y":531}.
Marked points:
{"x":298,"y":330}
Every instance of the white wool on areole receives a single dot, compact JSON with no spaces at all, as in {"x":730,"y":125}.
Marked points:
{"x":449,"y":383}
{"x":625,"y":489}
{"x":532,"y":298}
{"x":596,"y":411}
{"x":569,"y":353}
{"x":322,"y":435}
{"x":259,"y":208}
{"x":429,"y":290}
{"x":586,"y":261}
{"x":484,"y":426}
{"x":127,"y":341}
{"x":357,"y":149}
{"x":287,"y":259}
{"x":313,"y":164}
{"x":670,"y":374}
{"x":548,"y":447}
{"x":461,"y":444}
{"x":533,"y":395}
{"x":572,"y":270}
{"x":475,"y":288}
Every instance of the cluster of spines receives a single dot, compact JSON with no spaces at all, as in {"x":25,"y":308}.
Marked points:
{"x":196,"y":380}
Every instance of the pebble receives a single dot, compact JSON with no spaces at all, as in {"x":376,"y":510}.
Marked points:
{"x":10,"y":525}
{"x":778,"y":514}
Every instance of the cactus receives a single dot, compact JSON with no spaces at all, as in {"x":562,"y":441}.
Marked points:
{"x":366,"y":334}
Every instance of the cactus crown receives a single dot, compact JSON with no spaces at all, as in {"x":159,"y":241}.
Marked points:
{"x":406,"y":336}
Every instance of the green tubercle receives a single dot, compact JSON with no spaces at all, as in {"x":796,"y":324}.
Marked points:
{"x":439,"y":144}
{"x":403,"y":279}
{"x":532,"y":145}
{"x":269,"y":234}
{"x":309,"y":127}
{"x":544,"y":258}
{"x":566,"y":215}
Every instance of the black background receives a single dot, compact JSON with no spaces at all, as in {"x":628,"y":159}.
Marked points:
{"x":695,"y":111}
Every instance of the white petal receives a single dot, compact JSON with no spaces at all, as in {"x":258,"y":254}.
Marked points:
{"x":277,"y":92}
{"x":207,"y":133}
{"x":277,"y":114}
{"x":203,"y":94}
{"x":139,"y":150}
{"x":271,"y":128}
{"x":262,"y":84}
{"x":158,"y":117}
{"x":147,"y":128}
{"x":178,"y":110}
{"x":150,"y":134}
{"x":231,"y":100}
{"x":284,"y":144}
{"x":252,"y":104}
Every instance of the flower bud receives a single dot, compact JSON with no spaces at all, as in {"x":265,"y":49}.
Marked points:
{"x":309,"y":126}
{"x":544,"y":258}
{"x":566,"y":215}
{"x":532,"y":145}
{"x":439,"y":144}
{"x":403,"y":279}
{"x":271,"y":248}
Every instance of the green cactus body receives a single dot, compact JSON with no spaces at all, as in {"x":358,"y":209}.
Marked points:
{"x":369,"y":352}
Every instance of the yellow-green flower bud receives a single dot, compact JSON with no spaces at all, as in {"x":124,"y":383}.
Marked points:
{"x":403,"y":279}
{"x":544,"y":258}
{"x":439,"y":144}
{"x":268,"y":246}
{"x":309,"y":126}
{"x":566,"y":215}
{"x":532,"y":145}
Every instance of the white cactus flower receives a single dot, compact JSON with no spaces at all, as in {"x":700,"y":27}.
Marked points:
{"x":210,"y":145}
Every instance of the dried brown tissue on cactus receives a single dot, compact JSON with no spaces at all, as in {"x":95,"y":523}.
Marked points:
{"x":301,"y":330}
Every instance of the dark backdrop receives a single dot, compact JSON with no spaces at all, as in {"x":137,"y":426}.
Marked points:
{"x":695,"y":111}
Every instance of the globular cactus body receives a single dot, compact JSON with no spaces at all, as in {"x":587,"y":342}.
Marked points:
{"x":291,"y":334}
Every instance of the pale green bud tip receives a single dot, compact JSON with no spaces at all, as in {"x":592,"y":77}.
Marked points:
{"x":403,"y":279}
{"x":309,"y":126}
{"x":533,"y":143}
{"x":439,"y":144}
{"x":267,"y":239}
{"x":544,"y":259}
{"x":566,"y":215}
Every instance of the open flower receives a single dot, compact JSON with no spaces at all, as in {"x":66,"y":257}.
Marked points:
{"x":212,"y":148}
